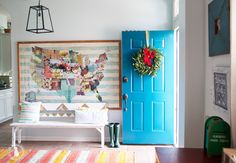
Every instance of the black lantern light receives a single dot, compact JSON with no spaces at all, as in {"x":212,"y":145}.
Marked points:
{"x":39,"y":20}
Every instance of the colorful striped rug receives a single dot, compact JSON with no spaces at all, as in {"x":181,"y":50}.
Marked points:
{"x":65,"y":156}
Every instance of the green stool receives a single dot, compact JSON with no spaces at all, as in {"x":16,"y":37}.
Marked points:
{"x":217,"y":136}
{"x":207,"y":124}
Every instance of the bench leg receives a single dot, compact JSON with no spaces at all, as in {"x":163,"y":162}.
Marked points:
{"x":101,"y":130}
{"x":19,"y":135}
{"x":102,"y":137}
{"x":14,"y":130}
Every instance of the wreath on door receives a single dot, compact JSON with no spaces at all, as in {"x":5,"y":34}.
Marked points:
{"x":147,"y":61}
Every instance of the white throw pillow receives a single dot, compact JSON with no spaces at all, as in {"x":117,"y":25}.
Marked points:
{"x":30,"y":112}
{"x":94,"y":113}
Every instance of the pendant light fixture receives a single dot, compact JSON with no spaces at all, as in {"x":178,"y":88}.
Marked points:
{"x":39,"y":20}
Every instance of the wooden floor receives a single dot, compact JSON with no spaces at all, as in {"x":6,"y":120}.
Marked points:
{"x":185,"y":155}
{"x":143,"y":153}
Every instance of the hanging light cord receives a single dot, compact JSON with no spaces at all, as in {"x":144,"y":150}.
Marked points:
{"x":39,"y":14}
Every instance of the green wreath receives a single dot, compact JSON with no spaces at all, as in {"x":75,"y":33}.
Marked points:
{"x":147,"y":61}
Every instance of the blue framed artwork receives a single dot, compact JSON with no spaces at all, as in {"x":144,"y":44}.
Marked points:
{"x":219,"y":27}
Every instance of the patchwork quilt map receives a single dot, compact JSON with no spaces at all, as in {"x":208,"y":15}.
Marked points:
{"x":67,"y":71}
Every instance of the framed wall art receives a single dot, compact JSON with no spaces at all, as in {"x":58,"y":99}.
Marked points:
{"x":222,"y":88}
{"x":70,"y":71}
{"x":219,"y":27}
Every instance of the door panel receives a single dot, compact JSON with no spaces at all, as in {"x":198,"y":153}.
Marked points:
{"x":136,"y":43}
{"x":137,"y":114}
{"x":158,"y":110}
{"x":159,"y":80}
{"x":137,"y":84}
{"x":150,"y":104}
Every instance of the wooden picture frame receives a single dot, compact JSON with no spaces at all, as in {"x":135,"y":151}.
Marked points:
{"x":70,"y":71}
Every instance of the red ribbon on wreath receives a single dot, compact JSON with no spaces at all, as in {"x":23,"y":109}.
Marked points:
{"x":148,"y":56}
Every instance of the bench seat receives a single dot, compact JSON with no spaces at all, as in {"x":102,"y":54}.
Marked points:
{"x":17,"y":128}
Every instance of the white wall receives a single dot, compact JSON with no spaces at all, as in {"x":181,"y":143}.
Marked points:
{"x":180,"y":22}
{"x":211,"y":64}
{"x":86,"y":20}
{"x":5,"y":13}
{"x":195,"y":73}
{"x":233,"y":71}
{"x":190,"y":109}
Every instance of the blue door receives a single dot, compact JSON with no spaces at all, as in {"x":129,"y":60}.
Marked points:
{"x":148,"y":111}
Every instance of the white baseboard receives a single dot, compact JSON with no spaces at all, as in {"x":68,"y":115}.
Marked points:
{"x":6,"y":119}
{"x":82,"y":139}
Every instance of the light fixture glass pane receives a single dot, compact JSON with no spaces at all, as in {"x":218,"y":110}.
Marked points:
{"x":32,"y":19}
{"x":40,"y":19}
{"x":47,"y":20}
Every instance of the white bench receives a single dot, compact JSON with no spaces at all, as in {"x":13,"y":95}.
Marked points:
{"x":17,"y":128}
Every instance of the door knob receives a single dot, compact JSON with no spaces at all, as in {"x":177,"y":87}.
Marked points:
{"x":125,"y":98}
{"x":125,"y":79}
